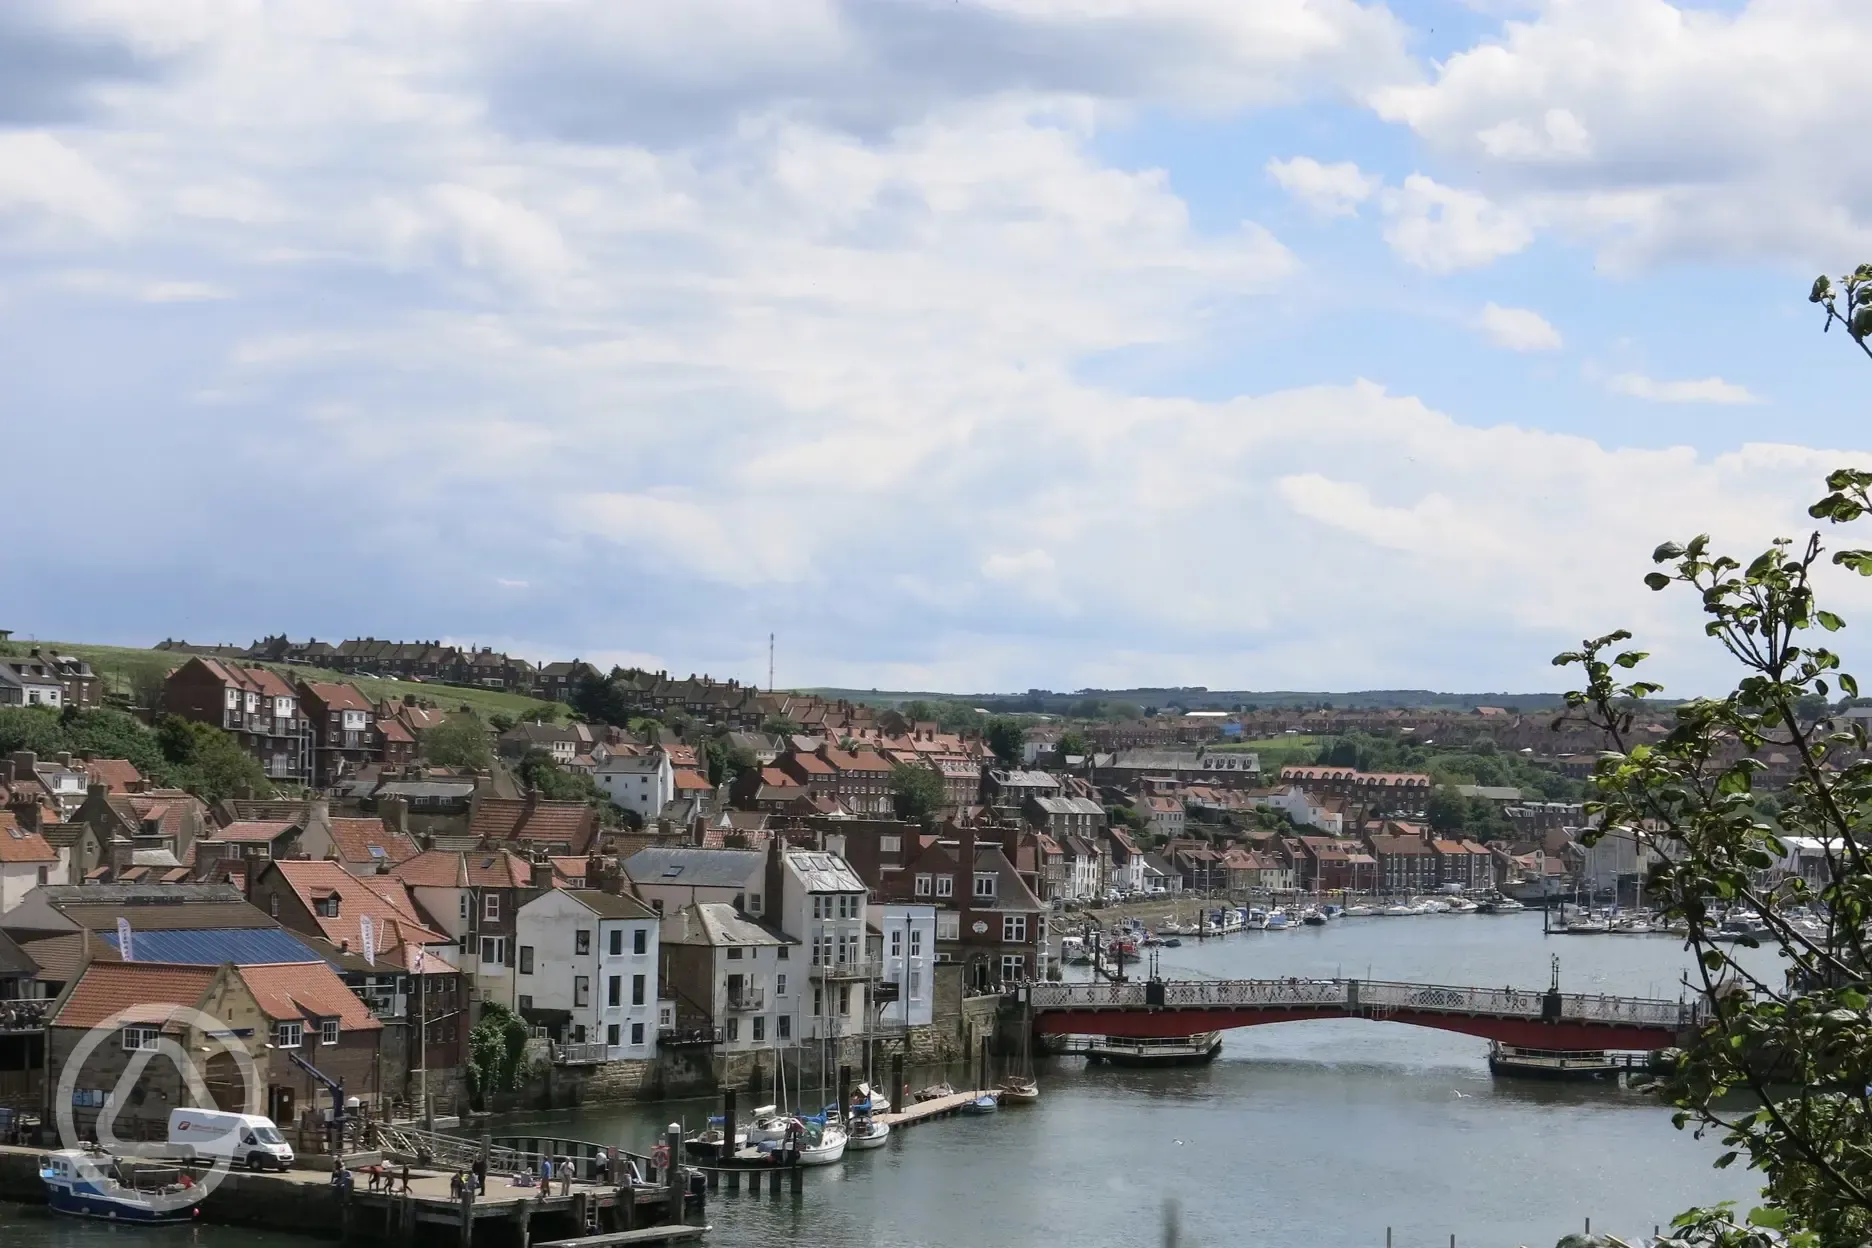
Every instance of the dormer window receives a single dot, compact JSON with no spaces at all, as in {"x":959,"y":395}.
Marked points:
{"x":984,"y":884}
{"x":327,"y":906}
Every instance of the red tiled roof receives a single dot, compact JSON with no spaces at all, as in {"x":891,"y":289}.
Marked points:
{"x":353,"y":838}
{"x":441,"y":868}
{"x":392,"y":730}
{"x":690,"y":781}
{"x":858,"y":760}
{"x":811,"y":764}
{"x":19,"y":845}
{"x":252,"y":831}
{"x":392,"y":913}
{"x":571,"y":867}
{"x":509,"y":819}
{"x":306,"y":991}
{"x":339,"y":697}
{"x":117,"y":775}
{"x":252,"y":679}
{"x":145,"y":989}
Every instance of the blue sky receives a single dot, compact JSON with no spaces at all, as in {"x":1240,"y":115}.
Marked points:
{"x":972,"y":344}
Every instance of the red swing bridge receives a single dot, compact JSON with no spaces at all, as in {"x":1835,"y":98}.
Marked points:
{"x":1552,"y":1021}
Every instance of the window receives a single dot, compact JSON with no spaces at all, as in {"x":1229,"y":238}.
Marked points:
{"x":916,"y":942}
{"x":783,"y":1027}
{"x":734,"y":955}
{"x":490,"y":907}
{"x":1014,"y":929}
{"x":328,"y":1031}
{"x":923,"y":883}
{"x":1013,"y":967}
{"x":581,"y":991}
{"x":948,"y":926}
{"x":818,"y":1001}
{"x":896,"y":944}
{"x":637,"y":1033}
{"x":753,"y":904}
{"x":916,"y":984}
{"x":734,"y":1029}
{"x":656,"y":904}
{"x":614,"y":990}
{"x":581,"y":941}
{"x":141,"y":1037}
{"x":780,"y":954}
{"x":493,"y":950}
{"x":272,"y":901}
{"x":526,"y":1002}
{"x":845,"y":998}
{"x":465,"y":903}
{"x":984,"y":884}
{"x":526,"y":959}
{"x":892,"y":844}
{"x":615,"y":945}
{"x":288,"y":1035}
{"x":779,"y":985}
{"x":327,"y":907}
{"x":637,"y":990}
{"x":945,"y":886}
{"x":818,"y":906}
{"x":640,"y":941}
{"x":760,"y":1028}
{"x":611,"y":1035}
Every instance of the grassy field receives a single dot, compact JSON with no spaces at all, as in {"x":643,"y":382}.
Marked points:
{"x":126,"y":670}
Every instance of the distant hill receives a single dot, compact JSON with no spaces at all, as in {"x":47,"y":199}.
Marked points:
{"x":1046,"y":701}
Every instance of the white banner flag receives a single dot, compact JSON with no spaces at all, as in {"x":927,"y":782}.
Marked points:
{"x":126,"y":948}
{"x":367,"y":937}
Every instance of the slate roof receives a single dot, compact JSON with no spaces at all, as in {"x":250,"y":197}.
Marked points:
{"x":702,"y":868}
{"x":145,"y":989}
{"x":718,"y":924}
{"x":15,"y":960}
{"x":208,"y":946}
{"x":822,"y":872}
{"x":610,"y":905}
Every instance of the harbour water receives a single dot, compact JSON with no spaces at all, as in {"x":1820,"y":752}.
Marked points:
{"x":1320,"y":1133}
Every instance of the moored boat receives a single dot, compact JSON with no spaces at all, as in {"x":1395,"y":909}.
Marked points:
{"x":867,"y":1132}
{"x":936,"y":1091}
{"x":983,"y":1104}
{"x":1019,"y":1090}
{"x":1277,"y":921}
{"x":1169,"y":1051}
{"x":1360,"y":911}
{"x":94,"y":1185}
{"x":822,"y":1143}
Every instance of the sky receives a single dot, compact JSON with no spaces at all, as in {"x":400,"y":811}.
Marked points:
{"x":963,"y":345}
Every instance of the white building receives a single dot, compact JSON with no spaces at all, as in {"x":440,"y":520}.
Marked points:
{"x":26,"y":862}
{"x":1083,"y":868}
{"x":1617,"y":853}
{"x":1304,"y":809}
{"x":643,"y":783}
{"x":30,"y":682}
{"x":822,"y":904}
{"x":586,"y":969}
{"x":743,"y":972}
{"x":907,"y":959}
{"x":668,"y":878}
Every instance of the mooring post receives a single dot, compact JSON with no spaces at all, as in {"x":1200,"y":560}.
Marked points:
{"x":523,"y":1222}
{"x":728,"y":1148}
{"x":734,"y":1180}
{"x":798,"y":1179}
{"x":672,"y":1140}
{"x":844,"y":1093}
{"x":753,"y":1182}
{"x":898,"y":1092}
{"x":981,"y":1084}
{"x":467,"y":1214}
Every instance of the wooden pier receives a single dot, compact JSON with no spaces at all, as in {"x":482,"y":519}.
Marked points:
{"x":939,"y":1107}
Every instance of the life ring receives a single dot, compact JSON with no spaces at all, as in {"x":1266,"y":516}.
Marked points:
{"x":659,"y":1156}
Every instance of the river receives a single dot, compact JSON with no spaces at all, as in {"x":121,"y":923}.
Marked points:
{"x":1319,"y":1133}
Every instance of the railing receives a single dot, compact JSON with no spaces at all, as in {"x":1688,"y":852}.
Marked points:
{"x":381,"y":1008}
{"x":1354,"y":995}
{"x":587,"y":1054}
{"x":683,"y":1037}
{"x":848,"y":970}
{"x":747,"y":999}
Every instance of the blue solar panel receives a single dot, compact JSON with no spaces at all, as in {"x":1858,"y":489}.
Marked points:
{"x":211,"y":946}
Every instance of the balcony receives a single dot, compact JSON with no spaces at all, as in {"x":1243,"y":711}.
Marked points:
{"x":587,"y":1054}
{"x":688,"y":1037}
{"x":747,"y":1000}
{"x":847,"y":970}
{"x":24,"y":1016}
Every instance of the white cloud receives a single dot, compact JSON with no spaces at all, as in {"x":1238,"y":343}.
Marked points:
{"x":1443,"y":228}
{"x":1701,"y":390}
{"x":1334,"y":190}
{"x":1597,"y":118}
{"x":1518,"y":329}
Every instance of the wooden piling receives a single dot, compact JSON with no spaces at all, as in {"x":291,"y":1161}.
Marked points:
{"x":467,"y":1214}
{"x":523,"y":1223}
{"x":753,"y":1182}
{"x":798,"y":1179}
{"x":899,"y":1093}
{"x":729,"y":1148}
{"x":844,"y":1092}
{"x":672,"y":1140}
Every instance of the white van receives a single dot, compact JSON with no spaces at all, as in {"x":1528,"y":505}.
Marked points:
{"x":241,"y":1139}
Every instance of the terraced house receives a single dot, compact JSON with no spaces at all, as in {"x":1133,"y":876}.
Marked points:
{"x":254,"y":704}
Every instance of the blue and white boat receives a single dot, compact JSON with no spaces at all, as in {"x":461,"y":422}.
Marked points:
{"x":92,"y":1185}
{"x":984,"y":1104}
{"x":1277,"y":921}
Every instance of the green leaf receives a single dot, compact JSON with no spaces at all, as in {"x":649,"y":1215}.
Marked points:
{"x":1832,"y":623}
{"x":1725,"y":1161}
{"x":1822,"y":287}
{"x":1767,"y":1216}
{"x":1667,"y":552}
{"x":1656,"y":580}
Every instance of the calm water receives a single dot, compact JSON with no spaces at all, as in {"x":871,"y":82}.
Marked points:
{"x":1321,"y":1132}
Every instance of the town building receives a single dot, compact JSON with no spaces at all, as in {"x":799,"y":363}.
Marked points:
{"x":586,"y":971}
{"x":474,"y":897}
{"x":816,"y":898}
{"x":670,"y":877}
{"x":345,"y":737}
{"x":906,"y":957}
{"x":988,"y":918}
{"x":27,"y":861}
{"x":254,"y":704}
{"x":728,"y":971}
{"x":31,"y":681}
{"x":640,"y":783}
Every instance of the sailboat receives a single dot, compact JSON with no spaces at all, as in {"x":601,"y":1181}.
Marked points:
{"x":1020,"y":1087}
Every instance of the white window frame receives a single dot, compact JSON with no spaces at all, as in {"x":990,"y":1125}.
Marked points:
{"x":924,"y":883}
{"x":138,"y":1037}
{"x":490,"y":907}
{"x":984,"y":884}
{"x":493,"y":951}
{"x":328,"y":1031}
{"x":288,"y":1035}
{"x":945,"y":886}
{"x":1013,"y":929}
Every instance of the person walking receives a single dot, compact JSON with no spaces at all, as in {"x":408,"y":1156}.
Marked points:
{"x":565,"y":1177}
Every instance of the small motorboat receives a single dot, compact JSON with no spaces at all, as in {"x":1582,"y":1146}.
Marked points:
{"x":867,"y":1132}
{"x":1360,"y":911}
{"x":1019,"y":1090}
{"x":1171,"y":942}
{"x":1397,"y":910}
{"x":935,"y":1092}
{"x":869,"y":1100}
{"x":1257,"y":920}
{"x":706,"y":1145}
{"x":983,"y":1104}
{"x":1277,"y":921}
{"x":93,"y":1185}
{"x":1313,"y":918}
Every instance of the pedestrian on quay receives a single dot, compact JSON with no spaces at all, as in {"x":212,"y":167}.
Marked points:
{"x":565,"y":1176}
{"x":480,"y":1177}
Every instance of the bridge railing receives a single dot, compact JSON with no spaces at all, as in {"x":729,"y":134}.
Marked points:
{"x":1363,"y":994}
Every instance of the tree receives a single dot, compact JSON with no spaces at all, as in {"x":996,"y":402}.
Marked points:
{"x":461,"y":740}
{"x":208,"y":762}
{"x":1781,"y":1065}
{"x":916,"y":792}
{"x":601,"y":700}
{"x":726,"y":761}
{"x":1006,"y":739}
{"x":496,"y":1053}
{"x":779,"y":726}
{"x":1074,"y":744}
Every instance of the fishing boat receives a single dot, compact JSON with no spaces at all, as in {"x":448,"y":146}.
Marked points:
{"x":935,"y":1092}
{"x":867,"y":1132}
{"x":983,"y":1104}
{"x":823,"y":1142}
{"x":1073,"y":951}
{"x":706,"y":1145}
{"x":94,"y":1185}
{"x":1167,"y":1051}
